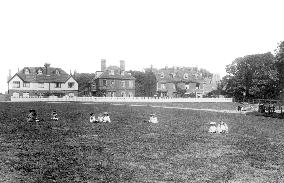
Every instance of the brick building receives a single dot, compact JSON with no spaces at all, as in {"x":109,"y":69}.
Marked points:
{"x":42,"y":81}
{"x":172,"y":80}
{"x":113,"y":81}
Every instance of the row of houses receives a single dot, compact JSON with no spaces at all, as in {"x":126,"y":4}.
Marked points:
{"x":110,"y":81}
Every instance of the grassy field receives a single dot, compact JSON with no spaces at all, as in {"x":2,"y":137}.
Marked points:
{"x":177,"y":149}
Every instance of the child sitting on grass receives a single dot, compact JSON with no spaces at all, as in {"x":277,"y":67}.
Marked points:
{"x":106,"y":117}
{"x":54,"y":116}
{"x":212,"y":128}
{"x":32,"y":116}
{"x":100,"y":118}
{"x":92,"y":118}
{"x":223,"y":127}
{"x":153,"y":118}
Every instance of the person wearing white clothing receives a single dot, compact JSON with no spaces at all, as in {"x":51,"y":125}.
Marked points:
{"x":212,"y":128}
{"x":106,"y":117}
{"x":153,"y":118}
{"x":223,"y":127}
{"x":92,"y":118}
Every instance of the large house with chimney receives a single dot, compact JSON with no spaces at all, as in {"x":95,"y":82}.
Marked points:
{"x":113,"y":81}
{"x":189,"y":80}
{"x":42,"y":81}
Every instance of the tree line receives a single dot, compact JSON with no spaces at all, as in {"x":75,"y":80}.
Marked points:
{"x":257,"y":76}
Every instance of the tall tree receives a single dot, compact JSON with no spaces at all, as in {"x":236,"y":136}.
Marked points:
{"x":145,"y":83}
{"x":279,"y":55}
{"x":253,"y":76}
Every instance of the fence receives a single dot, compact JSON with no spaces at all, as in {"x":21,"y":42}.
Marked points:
{"x":117,"y":99}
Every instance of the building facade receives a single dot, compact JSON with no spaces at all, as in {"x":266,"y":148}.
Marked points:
{"x":113,"y":81}
{"x":42,"y":81}
{"x":185,"y":82}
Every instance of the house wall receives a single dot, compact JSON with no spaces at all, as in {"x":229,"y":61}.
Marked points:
{"x":116,"y":89}
{"x":35,"y":90}
{"x":64,"y":86}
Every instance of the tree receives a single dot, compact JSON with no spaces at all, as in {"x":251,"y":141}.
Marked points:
{"x":279,"y":55}
{"x":252,"y":76}
{"x":84,"y":81}
{"x":145,"y":83}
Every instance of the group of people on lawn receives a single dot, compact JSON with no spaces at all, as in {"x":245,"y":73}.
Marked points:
{"x":214,"y":127}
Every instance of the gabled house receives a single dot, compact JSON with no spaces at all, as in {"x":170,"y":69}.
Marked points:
{"x":42,"y":81}
{"x":186,"y":81}
{"x":113,"y":81}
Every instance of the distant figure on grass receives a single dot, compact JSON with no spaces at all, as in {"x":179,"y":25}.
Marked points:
{"x":153,"y":118}
{"x":100,"y":118}
{"x":213,"y":127}
{"x":54,"y":116}
{"x":222,"y":127}
{"x":239,"y":108}
{"x":93,"y":118}
{"x":32,"y":116}
{"x":106,"y":117}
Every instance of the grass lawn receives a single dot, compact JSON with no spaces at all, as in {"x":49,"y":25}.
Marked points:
{"x":177,"y":149}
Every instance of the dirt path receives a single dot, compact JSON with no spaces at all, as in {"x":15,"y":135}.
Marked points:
{"x":195,"y":109}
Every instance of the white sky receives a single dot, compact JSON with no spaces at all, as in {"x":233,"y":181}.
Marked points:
{"x":77,"y":34}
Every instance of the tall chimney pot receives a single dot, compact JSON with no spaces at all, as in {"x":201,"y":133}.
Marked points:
{"x":103,"y":65}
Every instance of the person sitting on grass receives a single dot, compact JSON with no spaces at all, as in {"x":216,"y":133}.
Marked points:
{"x":222,"y":127}
{"x":106,"y":117}
{"x":54,"y":116}
{"x":153,"y":118}
{"x":212,"y":128}
{"x":32,"y":116}
{"x":100,"y":117}
{"x":92,"y":118}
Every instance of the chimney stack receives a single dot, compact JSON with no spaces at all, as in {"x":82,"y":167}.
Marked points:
{"x":122,"y":65}
{"x":46,"y":65}
{"x":103,"y":65}
{"x":10,"y":76}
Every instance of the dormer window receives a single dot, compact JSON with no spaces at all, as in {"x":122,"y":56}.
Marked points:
{"x":172,"y":75}
{"x":122,"y":73}
{"x":39,"y":72}
{"x":111,"y":72}
{"x":162,"y":75}
{"x":57,"y":72}
{"x":26,"y":71}
{"x":185,"y":76}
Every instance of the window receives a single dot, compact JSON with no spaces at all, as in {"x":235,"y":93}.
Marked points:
{"x":16,"y":95}
{"x":16,"y":84}
{"x":172,"y":75}
{"x":187,"y":87}
{"x":131,"y":84}
{"x":122,"y":84}
{"x":185,"y":76}
{"x":39,"y":72}
{"x":197,"y":85}
{"x":104,"y":82}
{"x":27,"y":71}
{"x":57,"y":85}
{"x":111,"y":72}
{"x":122,"y":73}
{"x":130,"y":94}
{"x":71,"y":94}
{"x":162,"y":75}
{"x":123,"y":94}
{"x":163,"y":86}
{"x":57,"y":72}
{"x":71,"y":84}
{"x":112,"y":82}
{"x":41,"y":85}
{"x":26,"y":85}
{"x":26,"y":95}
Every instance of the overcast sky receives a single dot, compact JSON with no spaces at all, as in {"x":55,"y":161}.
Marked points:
{"x":77,"y":34}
